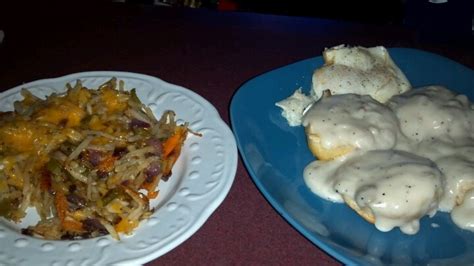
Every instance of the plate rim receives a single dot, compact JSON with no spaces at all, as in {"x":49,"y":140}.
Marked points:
{"x":213,"y":115}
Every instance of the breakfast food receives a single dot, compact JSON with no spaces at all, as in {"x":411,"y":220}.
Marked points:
{"x":434,"y":112}
{"x":394,"y":159}
{"x":338,"y":124}
{"x":358,"y":70}
{"x":294,"y":106}
{"x":88,"y":160}
{"x":431,"y":123}
{"x":388,"y":188}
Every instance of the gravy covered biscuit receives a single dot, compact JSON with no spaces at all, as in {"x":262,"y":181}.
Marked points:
{"x":434,"y":112}
{"x":418,"y":146}
{"x":391,"y":154}
{"x":335,"y":125}
{"x":359,"y":70}
{"x":459,"y":175}
{"x":386,"y":187}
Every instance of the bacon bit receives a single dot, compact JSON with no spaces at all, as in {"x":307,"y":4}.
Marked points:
{"x":72,"y":225}
{"x":107,"y":164}
{"x":45,"y":181}
{"x":61,"y":204}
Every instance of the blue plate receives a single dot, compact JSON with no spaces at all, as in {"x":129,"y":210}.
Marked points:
{"x":275,"y":155}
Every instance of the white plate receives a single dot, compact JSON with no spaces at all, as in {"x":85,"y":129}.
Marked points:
{"x":201,"y":179}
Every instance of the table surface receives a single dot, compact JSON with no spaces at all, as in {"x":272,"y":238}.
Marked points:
{"x":211,"y":53}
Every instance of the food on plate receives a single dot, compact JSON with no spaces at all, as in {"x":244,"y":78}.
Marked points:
{"x":337,"y":124}
{"x":458,"y":169}
{"x":294,"y":106}
{"x":388,"y":188}
{"x":392,"y":160}
{"x":434,"y":112}
{"x":440,"y":124}
{"x":463,"y":214}
{"x":88,"y":160}
{"x":359,"y":70}
{"x":432,"y":123}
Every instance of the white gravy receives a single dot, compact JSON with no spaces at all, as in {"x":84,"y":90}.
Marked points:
{"x":463,"y":214}
{"x":359,"y":70}
{"x":412,"y":157}
{"x":354,"y":120}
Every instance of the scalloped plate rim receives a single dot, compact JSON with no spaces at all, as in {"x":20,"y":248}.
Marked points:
{"x":213,"y":120}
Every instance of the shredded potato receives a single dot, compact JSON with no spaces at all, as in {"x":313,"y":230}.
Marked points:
{"x":88,"y":160}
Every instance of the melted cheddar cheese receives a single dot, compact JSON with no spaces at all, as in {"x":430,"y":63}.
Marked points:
{"x":112,"y":100}
{"x":61,"y":111}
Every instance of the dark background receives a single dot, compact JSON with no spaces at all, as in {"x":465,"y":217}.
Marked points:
{"x":457,"y":13}
{"x":448,"y":22}
{"x":213,"y":53}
